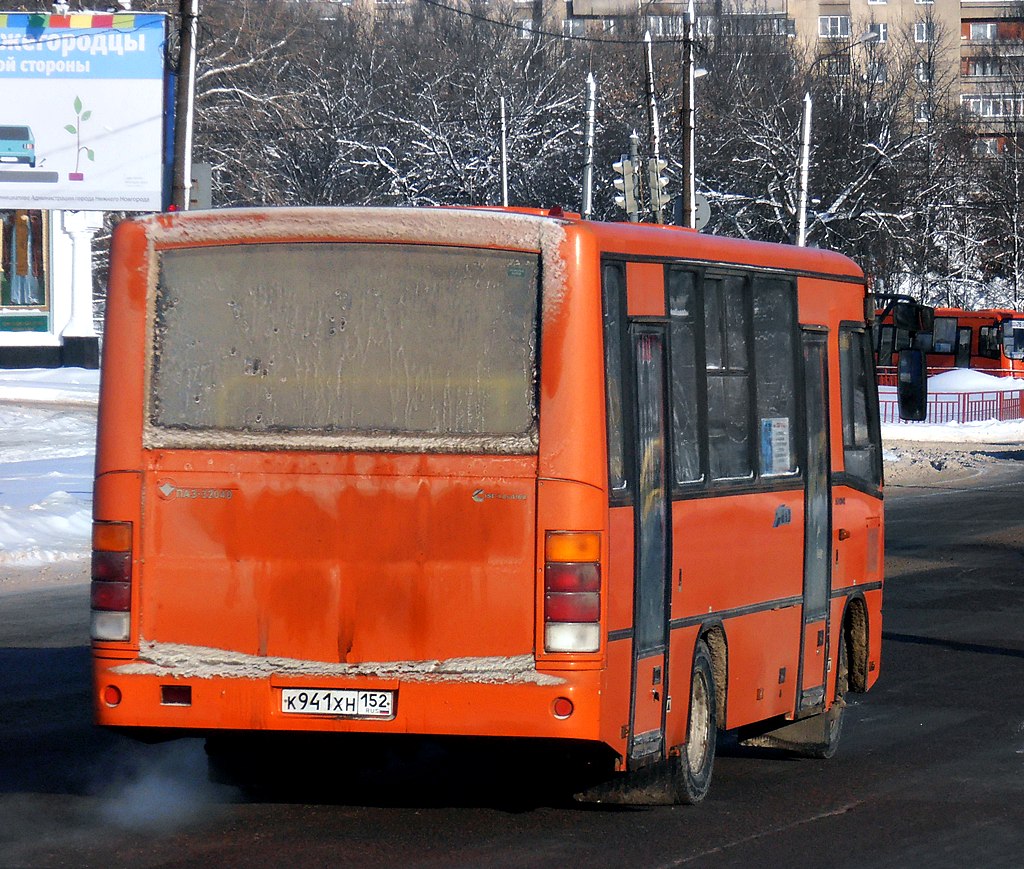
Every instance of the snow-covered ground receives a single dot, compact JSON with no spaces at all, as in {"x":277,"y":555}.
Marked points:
{"x":47,"y":448}
{"x":964,"y":380}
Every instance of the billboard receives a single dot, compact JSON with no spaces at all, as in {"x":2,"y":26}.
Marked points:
{"x":81,"y":111}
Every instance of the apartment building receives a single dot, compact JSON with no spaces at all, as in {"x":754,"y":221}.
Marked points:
{"x":972,"y":48}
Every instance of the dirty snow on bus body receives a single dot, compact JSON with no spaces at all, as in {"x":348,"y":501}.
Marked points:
{"x":47,"y":445}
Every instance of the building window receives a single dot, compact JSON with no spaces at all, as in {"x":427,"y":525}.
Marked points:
{"x":573,"y":27}
{"x":878,"y":72}
{"x":882,"y":30}
{"x":983,"y":31}
{"x":608,"y":25}
{"x":975,"y":67}
{"x":706,"y":25}
{"x":922,"y":112}
{"x":924,"y":2}
{"x":666,"y":25}
{"x":987,"y":146}
{"x":525,"y":28}
{"x":924,"y":31}
{"x":924,"y":71}
{"x":839,"y":66}
{"x":993,"y":105}
{"x":23,"y":267}
{"x":834,"y":26}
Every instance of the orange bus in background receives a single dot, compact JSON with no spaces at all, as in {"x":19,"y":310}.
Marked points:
{"x":989,"y":340}
{"x":486,"y":472}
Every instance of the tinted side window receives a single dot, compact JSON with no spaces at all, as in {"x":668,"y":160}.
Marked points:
{"x":774,"y":313}
{"x":728,"y":377}
{"x":682,"y":305}
{"x":988,"y":342}
{"x":614,"y":293}
{"x":886,"y":342}
{"x":861,"y":439}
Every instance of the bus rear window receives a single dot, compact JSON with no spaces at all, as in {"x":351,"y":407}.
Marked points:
{"x":432,"y":343}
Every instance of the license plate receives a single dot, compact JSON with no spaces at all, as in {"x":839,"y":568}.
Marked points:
{"x":344,"y":702}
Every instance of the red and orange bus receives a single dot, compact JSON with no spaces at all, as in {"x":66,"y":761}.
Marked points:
{"x":486,"y":472}
{"x":990,"y":340}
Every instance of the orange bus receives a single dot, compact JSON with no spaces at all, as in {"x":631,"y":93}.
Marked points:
{"x":486,"y":472}
{"x":989,"y":340}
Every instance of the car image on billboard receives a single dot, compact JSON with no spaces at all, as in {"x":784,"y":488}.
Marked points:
{"x":17,"y":145}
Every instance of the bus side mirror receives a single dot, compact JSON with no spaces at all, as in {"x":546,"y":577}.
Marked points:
{"x":912,"y":386}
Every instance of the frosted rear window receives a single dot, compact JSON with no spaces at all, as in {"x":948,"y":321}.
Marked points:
{"x":331,"y":338}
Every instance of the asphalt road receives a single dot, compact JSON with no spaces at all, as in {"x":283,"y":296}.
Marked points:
{"x":930,"y":773}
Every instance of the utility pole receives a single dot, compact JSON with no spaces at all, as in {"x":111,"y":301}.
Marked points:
{"x":689,"y":111}
{"x":184,"y":103}
{"x":588,"y":159}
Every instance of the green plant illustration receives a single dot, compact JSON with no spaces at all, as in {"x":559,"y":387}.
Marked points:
{"x":76,"y":131}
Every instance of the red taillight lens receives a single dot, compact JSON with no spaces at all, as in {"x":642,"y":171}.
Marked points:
{"x":111,"y":591}
{"x":112,"y":596}
{"x":572,"y":591}
{"x":572,"y":577}
{"x":572,"y":607}
{"x":112,"y":567}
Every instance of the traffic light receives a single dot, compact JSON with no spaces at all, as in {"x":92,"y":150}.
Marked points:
{"x":656,"y":185}
{"x":626,"y":185}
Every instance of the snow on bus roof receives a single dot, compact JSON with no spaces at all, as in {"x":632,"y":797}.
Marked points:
{"x":470,"y":226}
{"x":493,"y":226}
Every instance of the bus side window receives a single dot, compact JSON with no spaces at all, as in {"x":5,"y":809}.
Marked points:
{"x":728,"y":387}
{"x":682,"y":306}
{"x":861,"y":438}
{"x":614,"y":296}
{"x":775,"y":373}
{"x":1013,"y":339}
{"x":886,"y":342}
{"x":944,"y":335}
{"x":988,"y":342}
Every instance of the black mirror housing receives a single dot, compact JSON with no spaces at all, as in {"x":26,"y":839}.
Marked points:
{"x":912,"y":386}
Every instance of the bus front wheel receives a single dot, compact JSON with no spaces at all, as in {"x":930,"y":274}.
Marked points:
{"x":697,"y":759}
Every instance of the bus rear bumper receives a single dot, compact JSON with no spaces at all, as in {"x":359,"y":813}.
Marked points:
{"x":510,"y":701}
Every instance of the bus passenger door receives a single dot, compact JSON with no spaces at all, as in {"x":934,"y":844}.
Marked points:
{"x":650,"y":601}
{"x":817,"y":522}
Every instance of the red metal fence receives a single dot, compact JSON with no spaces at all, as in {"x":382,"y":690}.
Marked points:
{"x":959,"y":406}
{"x":887,"y":373}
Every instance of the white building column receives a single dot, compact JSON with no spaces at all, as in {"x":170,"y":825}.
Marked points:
{"x":81,"y":226}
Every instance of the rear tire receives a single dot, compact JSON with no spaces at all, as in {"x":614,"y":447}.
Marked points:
{"x":696,"y":762}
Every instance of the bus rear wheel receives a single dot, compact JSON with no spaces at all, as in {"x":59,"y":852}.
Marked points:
{"x":696,"y":761}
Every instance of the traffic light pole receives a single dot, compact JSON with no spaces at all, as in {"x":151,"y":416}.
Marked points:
{"x":634,"y":156}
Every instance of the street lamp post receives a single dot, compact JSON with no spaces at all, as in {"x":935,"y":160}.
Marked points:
{"x":805,"y":134}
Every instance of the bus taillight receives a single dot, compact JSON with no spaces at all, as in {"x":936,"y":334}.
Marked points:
{"x":572,"y":591}
{"x":111,"y":592}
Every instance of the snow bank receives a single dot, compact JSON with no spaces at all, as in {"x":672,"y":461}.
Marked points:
{"x":50,"y":385}
{"x":47,"y":447}
{"x":970,"y":380}
{"x":988,"y":432}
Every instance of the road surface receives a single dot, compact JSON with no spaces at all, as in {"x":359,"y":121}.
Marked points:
{"x":930,"y":773}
